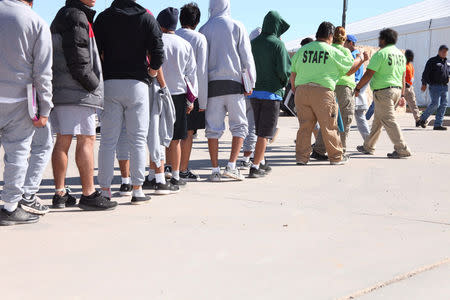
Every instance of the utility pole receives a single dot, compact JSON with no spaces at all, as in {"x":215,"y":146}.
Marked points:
{"x":344,"y":13}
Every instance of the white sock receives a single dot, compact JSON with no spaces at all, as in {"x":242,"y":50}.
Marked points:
{"x":246,"y":159}
{"x":11,"y":206}
{"x":255,"y":166}
{"x":160,"y":178}
{"x":176,"y":175}
{"x":252,"y":155}
{"x":216,"y":170}
{"x":232,"y":165}
{"x":60,"y":190}
{"x":263,"y":162}
{"x":126,"y":180}
{"x":107,"y":193}
{"x":151,"y":175}
{"x":138,"y":193}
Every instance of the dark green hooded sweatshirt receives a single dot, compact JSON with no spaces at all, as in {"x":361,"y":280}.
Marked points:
{"x":273,"y":65}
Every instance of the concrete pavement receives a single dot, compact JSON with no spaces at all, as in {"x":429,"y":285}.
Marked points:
{"x":314,"y":232}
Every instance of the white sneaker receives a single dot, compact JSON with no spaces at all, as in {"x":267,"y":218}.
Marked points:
{"x":343,"y":161}
{"x":215,"y":177}
{"x":233,"y":173}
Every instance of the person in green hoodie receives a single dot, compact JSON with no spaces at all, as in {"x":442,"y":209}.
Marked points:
{"x":272,"y":75}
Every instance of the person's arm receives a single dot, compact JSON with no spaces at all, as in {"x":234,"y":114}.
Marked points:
{"x":402,"y":101}
{"x":42,"y":74}
{"x":426,"y":76}
{"x":359,"y":61}
{"x":154,"y":45}
{"x":191,"y":74}
{"x":283,"y":65}
{"x":364,"y":80}
{"x":202,"y":74}
{"x":246,"y":57}
{"x":292,"y":79}
{"x":75,"y":44}
{"x":160,"y":78}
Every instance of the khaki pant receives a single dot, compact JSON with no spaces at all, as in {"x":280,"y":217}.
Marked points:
{"x":384,"y":116}
{"x":317,"y":104}
{"x":410,"y":97}
{"x":346,"y":103}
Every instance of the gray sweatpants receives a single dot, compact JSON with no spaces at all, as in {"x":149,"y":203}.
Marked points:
{"x":216,"y":112}
{"x":126,"y":102}
{"x":250,"y":140}
{"x":41,"y":152}
{"x":16,"y":133}
{"x":123,"y":150}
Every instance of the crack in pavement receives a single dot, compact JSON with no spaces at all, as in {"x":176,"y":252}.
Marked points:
{"x":403,"y":218}
{"x":396,"y":279}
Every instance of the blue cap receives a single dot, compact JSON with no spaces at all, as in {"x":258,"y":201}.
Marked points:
{"x":168,"y":18}
{"x":442,"y":47}
{"x":352,"y":38}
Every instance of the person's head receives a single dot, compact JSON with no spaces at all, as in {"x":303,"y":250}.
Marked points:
{"x":443,"y":51}
{"x":409,"y":54}
{"x":90,"y":3}
{"x":350,"y":43}
{"x":339,"y":36}
{"x":168,"y":19}
{"x":29,"y":2}
{"x":306,"y":41}
{"x":190,"y":16}
{"x":325,"y":32}
{"x":387,"y":37}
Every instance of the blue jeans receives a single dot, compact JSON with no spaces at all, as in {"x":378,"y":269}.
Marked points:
{"x":439,"y":101}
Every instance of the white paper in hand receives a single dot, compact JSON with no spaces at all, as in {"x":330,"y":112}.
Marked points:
{"x":247,"y":81}
{"x":32,"y":103}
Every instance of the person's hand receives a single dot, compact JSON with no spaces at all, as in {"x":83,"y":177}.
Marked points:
{"x":402,"y":102}
{"x":248,"y":94}
{"x":366,"y":56}
{"x":152,"y":73}
{"x":189,"y":108}
{"x":41,"y":122}
{"x":423,"y":88}
{"x":201,"y":110}
{"x":357,"y":91}
{"x":293,"y":89}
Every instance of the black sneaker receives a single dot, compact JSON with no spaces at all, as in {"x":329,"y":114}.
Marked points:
{"x":363,"y":150}
{"x":440,"y":128}
{"x":126,"y":190}
{"x":168,"y":172}
{"x":140,"y":200}
{"x":423,"y":123}
{"x":396,"y":155}
{"x":317,"y":156}
{"x":265,"y":167}
{"x":244,"y":165}
{"x":96,"y":202}
{"x":33,"y":206}
{"x":166,"y":189}
{"x":176,"y":182}
{"x":418,"y":122}
{"x":19,"y":216}
{"x":256,"y":173}
{"x":149,"y":185}
{"x":60,"y":202}
{"x":189,"y":176}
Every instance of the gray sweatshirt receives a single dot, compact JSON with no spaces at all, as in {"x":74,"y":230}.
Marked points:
{"x":229,"y":51}
{"x":200,"y":47}
{"x":25,"y":55}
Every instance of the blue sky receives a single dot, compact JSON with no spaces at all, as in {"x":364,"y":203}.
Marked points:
{"x":304,"y":16}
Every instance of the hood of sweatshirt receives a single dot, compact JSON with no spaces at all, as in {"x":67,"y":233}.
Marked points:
{"x":127,"y":8}
{"x":274,"y":24}
{"x":219,"y":8}
{"x":90,"y":13}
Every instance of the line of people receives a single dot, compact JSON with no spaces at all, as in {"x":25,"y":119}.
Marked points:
{"x":153,"y":87}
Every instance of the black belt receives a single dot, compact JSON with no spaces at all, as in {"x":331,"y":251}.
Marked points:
{"x":389,"y":87}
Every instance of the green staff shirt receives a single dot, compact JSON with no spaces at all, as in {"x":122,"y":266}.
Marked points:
{"x":320,"y":63}
{"x":346,"y":80}
{"x":389,"y":64}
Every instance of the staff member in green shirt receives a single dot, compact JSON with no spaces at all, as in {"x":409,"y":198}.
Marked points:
{"x":315,"y":70}
{"x":387,"y":72}
{"x":344,"y":94}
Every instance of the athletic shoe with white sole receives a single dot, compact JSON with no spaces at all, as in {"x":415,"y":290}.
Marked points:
{"x":363,"y":150}
{"x":256,"y":173}
{"x":168,"y":172}
{"x":233,"y":174}
{"x":215,"y":177}
{"x":189,"y":176}
{"x":126,"y":190}
{"x":33,"y":206}
{"x":343,"y":161}
{"x":96,"y":202}
{"x":265,"y":167}
{"x":17,"y":217}
{"x":396,"y":155}
{"x":244,"y":165}
{"x":166,"y":189}
{"x":140,"y":200}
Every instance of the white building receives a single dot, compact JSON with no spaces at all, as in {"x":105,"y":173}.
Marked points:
{"x":422,"y":27}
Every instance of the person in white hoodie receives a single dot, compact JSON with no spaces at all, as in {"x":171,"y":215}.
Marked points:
{"x":229,"y":56}
{"x":179,"y":69}
{"x":190,"y":18}
{"x":26,"y":58}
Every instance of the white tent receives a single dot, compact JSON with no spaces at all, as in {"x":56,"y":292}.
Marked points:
{"x":422,"y":27}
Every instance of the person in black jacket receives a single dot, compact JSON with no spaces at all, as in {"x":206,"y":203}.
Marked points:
{"x":77,"y":93}
{"x":436,"y":76}
{"x":126,"y":33}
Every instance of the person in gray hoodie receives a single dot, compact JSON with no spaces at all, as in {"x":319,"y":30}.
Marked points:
{"x":26,"y":58}
{"x":226,"y":91}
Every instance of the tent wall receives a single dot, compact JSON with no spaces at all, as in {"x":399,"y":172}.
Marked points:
{"x":424,"y":38}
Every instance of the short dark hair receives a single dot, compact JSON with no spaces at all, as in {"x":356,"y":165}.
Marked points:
{"x":389,"y":36}
{"x":325,"y":30}
{"x":306,"y":41}
{"x":409,"y":54}
{"x":190,"y":15}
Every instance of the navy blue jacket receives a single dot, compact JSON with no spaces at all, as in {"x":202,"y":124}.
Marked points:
{"x":436,"y":71}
